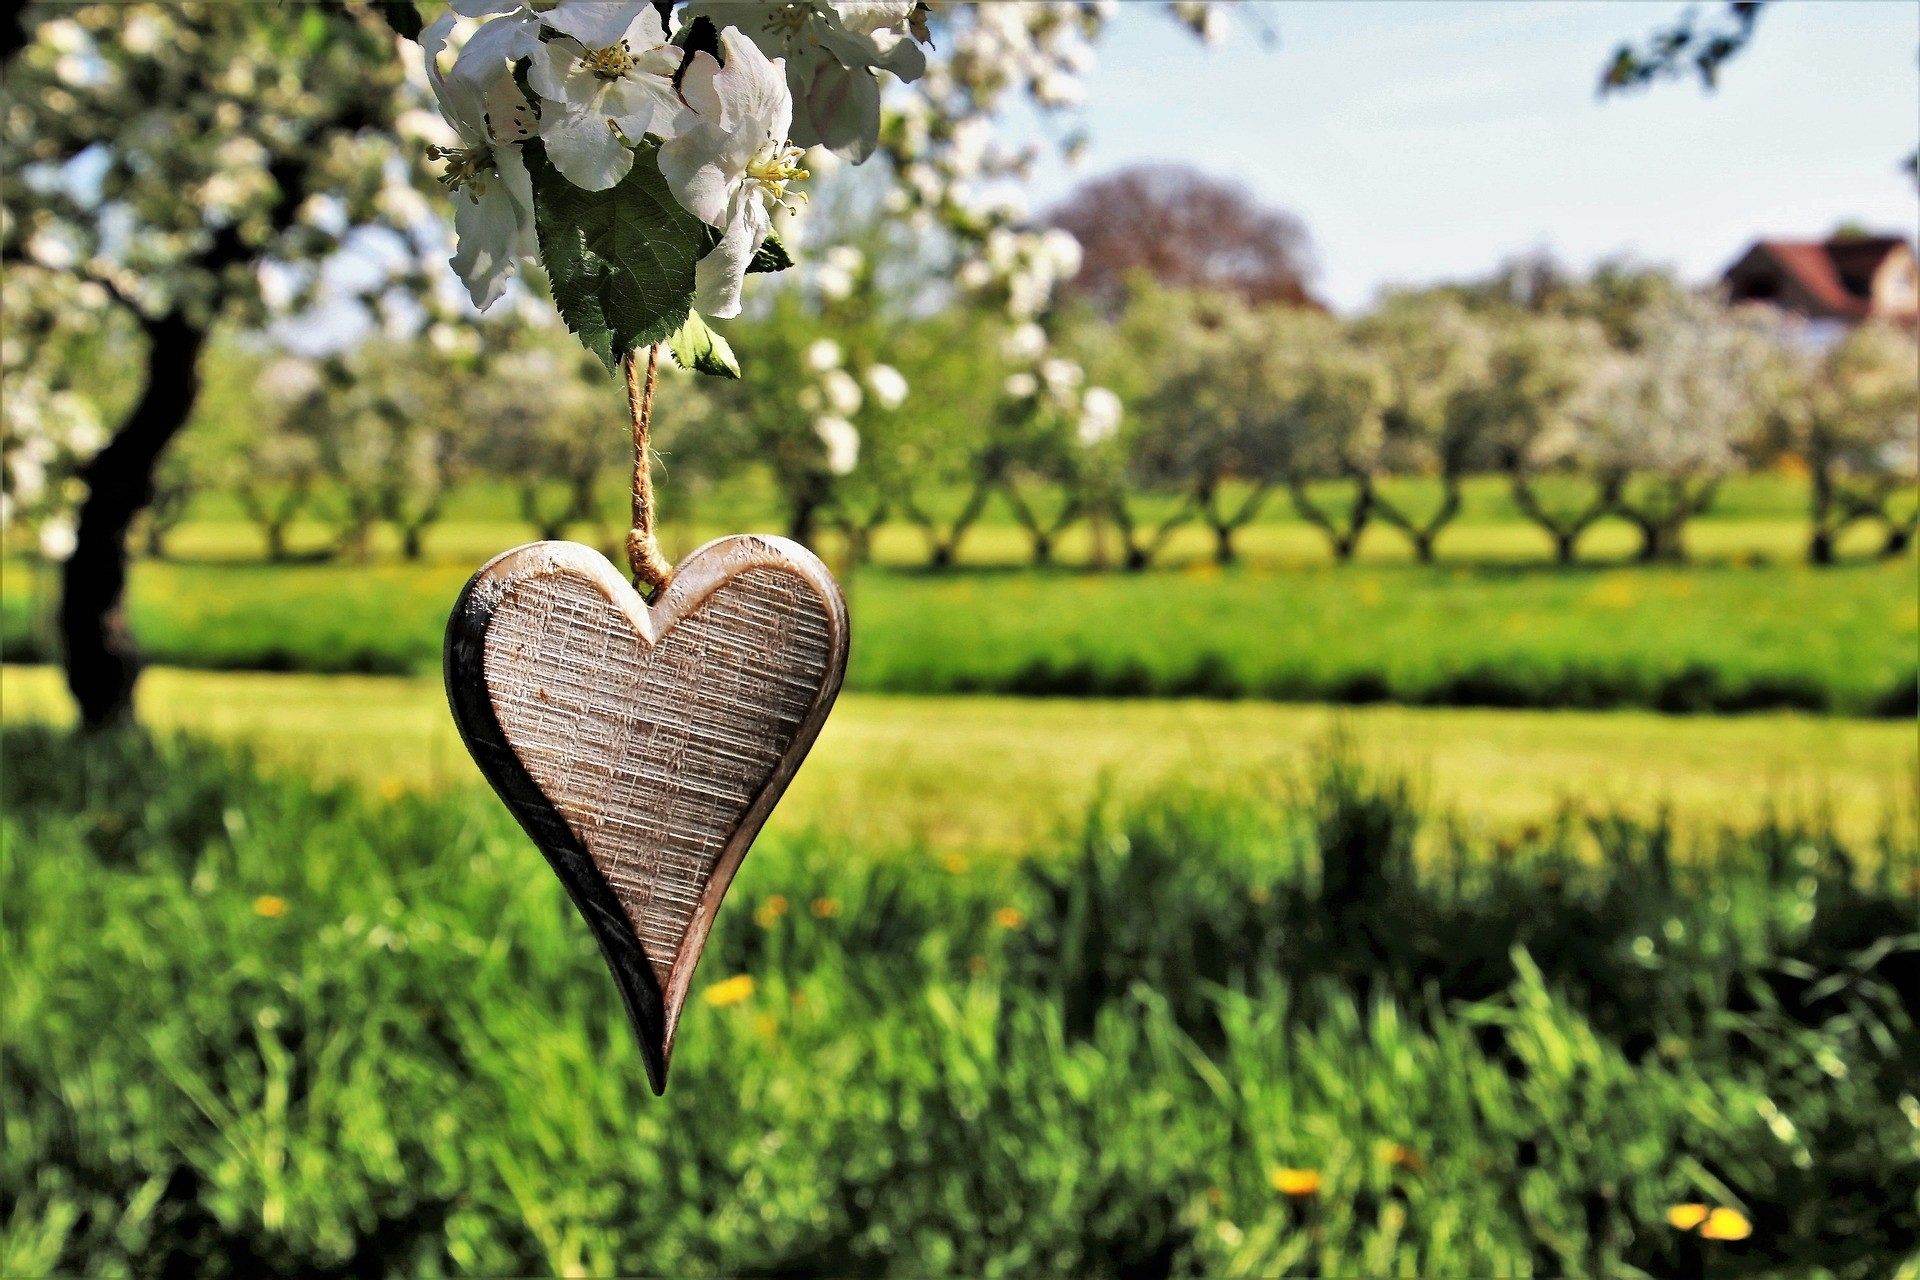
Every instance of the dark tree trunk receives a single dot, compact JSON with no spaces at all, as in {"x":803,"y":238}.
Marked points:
{"x":1662,"y":541}
{"x":1820,"y":547}
{"x":102,"y":663}
{"x":1899,"y":538}
{"x":413,"y":541}
{"x":803,"y":518}
{"x":276,"y":534}
{"x":1565,"y":541}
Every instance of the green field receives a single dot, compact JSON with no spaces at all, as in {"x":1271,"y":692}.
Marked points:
{"x":976,"y":773}
{"x":1731,"y":634}
{"x":256,"y":1027}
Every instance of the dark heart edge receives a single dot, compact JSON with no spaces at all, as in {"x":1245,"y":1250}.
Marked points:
{"x":653,"y":1016}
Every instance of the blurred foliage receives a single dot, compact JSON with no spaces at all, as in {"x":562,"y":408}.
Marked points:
{"x":259,"y":1027}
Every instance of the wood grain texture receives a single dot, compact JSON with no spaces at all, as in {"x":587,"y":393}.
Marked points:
{"x":642,"y":747}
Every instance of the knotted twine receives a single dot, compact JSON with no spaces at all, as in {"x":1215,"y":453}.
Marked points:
{"x":650,"y":567}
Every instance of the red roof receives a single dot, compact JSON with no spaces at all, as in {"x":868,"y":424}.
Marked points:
{"x":1836,"y":274}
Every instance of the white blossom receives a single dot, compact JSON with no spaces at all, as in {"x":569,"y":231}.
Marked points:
{"x":731,"y":167}
{"x":823,"y":354}
{"x":1100,"y":413}
{"x":842,"y":441}
{"x":58,"y":537}
{"x":603,"y":99}
{"x":1024,"y":342}
{"x":841,"y":391}
{"x":829,"y":53}
{"x":514,"y":29}
{"x":493,"y":194}
{"x":888,"y":385}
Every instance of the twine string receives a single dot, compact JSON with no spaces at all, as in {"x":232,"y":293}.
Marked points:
{"x":650,"y":567}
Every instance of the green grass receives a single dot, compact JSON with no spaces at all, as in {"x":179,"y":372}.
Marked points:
{"x":1720,"y":636}
{"x":972,"y":773}
{"x":255,"y":1026}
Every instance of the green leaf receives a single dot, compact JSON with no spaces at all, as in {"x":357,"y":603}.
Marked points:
{"x":694,"y":346}
{"x":772,"y":256}
{"x":620,"y":262}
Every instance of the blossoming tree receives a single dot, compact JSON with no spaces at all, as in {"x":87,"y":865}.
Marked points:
{"x":196,"y":164}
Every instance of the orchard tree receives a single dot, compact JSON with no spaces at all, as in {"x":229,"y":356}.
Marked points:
{"x":539,"y":426}
{"x":194,"y":163}
{"x":274,"y":475}
{"x":1050,"y":422}
{"x":188,"y":165}
{"x":1851,"y":412}
{"x":1525,"y":406}
{"x":1335,"y":442}
{"x":1673,"y":416}
{"x":1228,"y":375}
{"x":1436,"y":355}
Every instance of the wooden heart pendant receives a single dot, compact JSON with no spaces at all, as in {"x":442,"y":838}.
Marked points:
{"x":643,"y":746}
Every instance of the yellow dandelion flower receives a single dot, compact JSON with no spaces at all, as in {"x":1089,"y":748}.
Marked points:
{"x":1009,"y":918}
{"x":1685,"y":1217}
{"x":392,"y":788}
{"x":768,"y":913}
{"x":765,"y":1027}
{"x":954,"y":863}
{"x":825,"y":908}
{"x":1726,"y":1224}
{"x":268,"y":907}
{"x":731,"y":991}
{"x":1298,"y":1183}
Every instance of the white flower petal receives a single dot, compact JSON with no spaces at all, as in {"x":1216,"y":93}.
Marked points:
{"x":485,"y":8}
{"x":596,"y":23}
{"x":584,"y":149}
{"x":697,"y":86}
{"x":718,"y":277}
{"x":489,"y":231}
{"x":753,"y":89}
{"x":704,"y":167}
{"x":551,"y":70}
{"x":493,"y":46}
{"x":642,"y":104}
{"x":461,"y":101}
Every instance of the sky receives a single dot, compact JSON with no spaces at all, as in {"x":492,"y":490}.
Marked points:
{"x":1426,"y":141}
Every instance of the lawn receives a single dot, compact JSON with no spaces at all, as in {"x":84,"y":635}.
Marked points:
{"x":1727,"y":635}
{"x":974,"y":773}
{"x":259,"y":1027}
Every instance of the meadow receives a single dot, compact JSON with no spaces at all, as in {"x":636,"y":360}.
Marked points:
{"x":259,"y":1025}
{"x":987,"y":775}
{"x":1745,"y":628}
{"x":1382,"y":989}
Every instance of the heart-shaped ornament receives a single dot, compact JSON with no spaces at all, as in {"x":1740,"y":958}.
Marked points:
{"x":643,"y":746}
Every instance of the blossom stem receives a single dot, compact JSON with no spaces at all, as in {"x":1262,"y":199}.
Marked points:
{"x":650,"y":567}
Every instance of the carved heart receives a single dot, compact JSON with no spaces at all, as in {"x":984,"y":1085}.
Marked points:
{"x":642,"y":747}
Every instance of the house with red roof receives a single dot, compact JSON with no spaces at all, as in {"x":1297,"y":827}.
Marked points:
{"x":1848,"y":278}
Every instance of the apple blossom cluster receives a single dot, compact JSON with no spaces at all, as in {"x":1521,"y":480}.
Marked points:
{"x":834,"y":394}
{"x":1052,"y":384}
{"x":724,"y":107}
{"x":47,"y":429}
